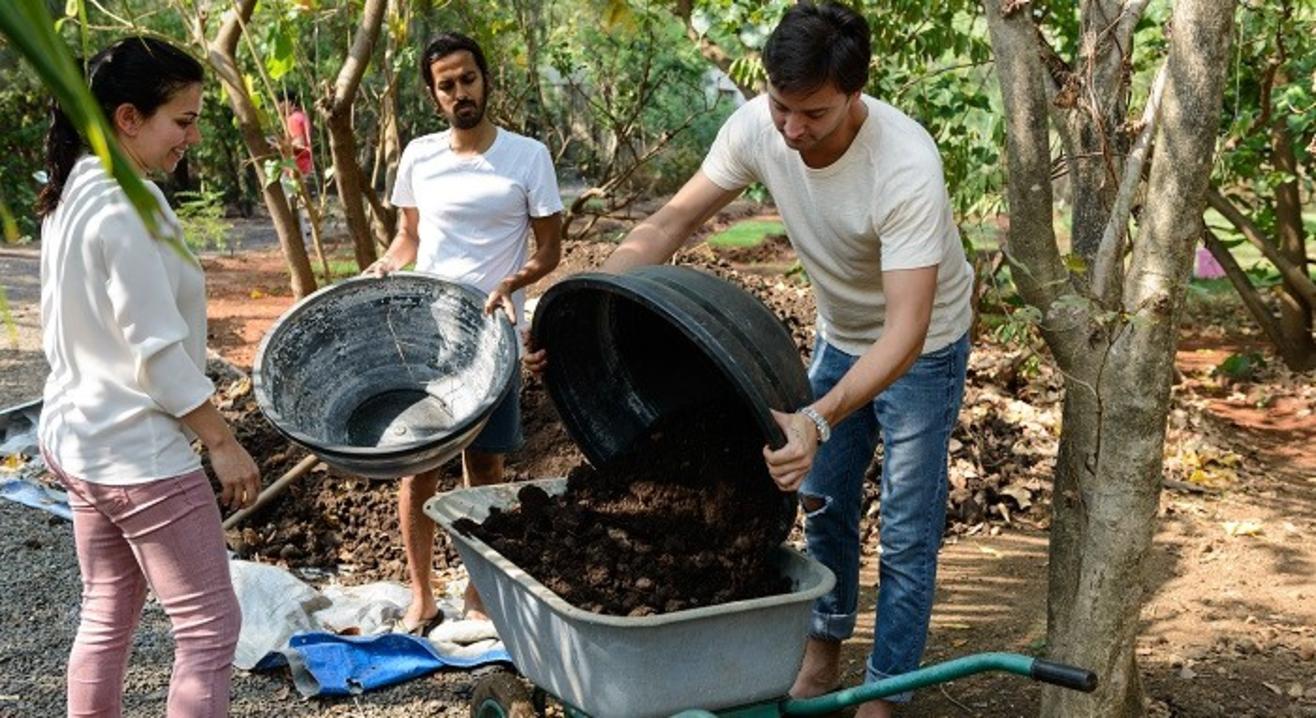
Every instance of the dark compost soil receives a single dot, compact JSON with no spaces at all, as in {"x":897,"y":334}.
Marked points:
{"x":680,"y":522}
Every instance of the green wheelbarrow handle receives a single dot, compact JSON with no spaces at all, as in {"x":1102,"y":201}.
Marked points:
{"x":1038,"y":669}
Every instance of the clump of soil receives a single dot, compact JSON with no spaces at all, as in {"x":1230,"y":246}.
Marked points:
{"x":680,"y":522}
{"x":773,"y":248}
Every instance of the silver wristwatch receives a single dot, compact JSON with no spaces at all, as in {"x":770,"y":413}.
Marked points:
{"x":824,"y":429}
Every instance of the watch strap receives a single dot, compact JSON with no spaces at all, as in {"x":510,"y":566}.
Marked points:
{"x":824,"y":429}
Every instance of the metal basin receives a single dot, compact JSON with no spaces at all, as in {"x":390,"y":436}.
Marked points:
{"x":385,"y":377}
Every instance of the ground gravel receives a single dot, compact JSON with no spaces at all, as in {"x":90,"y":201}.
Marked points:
{"x":39,"y":595}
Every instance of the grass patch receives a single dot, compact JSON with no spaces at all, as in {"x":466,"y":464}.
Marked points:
{"x":746,"y":233}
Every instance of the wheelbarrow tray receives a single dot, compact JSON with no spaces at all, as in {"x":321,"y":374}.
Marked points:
{"x":615,"y":666}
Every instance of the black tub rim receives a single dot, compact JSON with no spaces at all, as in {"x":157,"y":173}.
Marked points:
{"x":361,"y":456}
{"x":625,"y":285}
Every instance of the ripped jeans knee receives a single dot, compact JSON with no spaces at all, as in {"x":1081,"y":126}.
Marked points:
{"x":813,"y":504}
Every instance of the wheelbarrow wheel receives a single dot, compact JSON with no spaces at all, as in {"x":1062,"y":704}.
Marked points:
{"x":503,"y":695}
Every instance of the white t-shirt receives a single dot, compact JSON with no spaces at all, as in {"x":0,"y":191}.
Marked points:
{"x":475,"y":210}
{"x":123,"y":320}
{"x":882,"y":206}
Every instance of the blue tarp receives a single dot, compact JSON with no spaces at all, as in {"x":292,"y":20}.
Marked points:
{"x":32,"y":494}
{"x":324,"y":664}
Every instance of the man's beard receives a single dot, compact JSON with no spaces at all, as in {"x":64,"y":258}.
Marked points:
{"x":468,"y":120}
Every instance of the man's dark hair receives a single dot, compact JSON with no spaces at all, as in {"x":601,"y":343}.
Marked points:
{"x":814,"y":45}
{"x":444,"y":45}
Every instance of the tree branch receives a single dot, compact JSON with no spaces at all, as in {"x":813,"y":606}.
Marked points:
{"x":1248,"y":293}
{"x":709,"y":49}
{"x":1127,"y":22}
{"x":358,"y":58}
{"x":1295,"y":276}
{"x":1106,"y":278}
{"x":1031,"y":247}
{"x":1181,"y":171}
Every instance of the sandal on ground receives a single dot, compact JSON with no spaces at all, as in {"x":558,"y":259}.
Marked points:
{"x":421,"y":629}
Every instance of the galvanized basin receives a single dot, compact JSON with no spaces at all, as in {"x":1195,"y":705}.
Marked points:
{"x":385,"y":377}
{"x":621,"y":667}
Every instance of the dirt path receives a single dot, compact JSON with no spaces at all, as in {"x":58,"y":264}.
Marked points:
{"x":22,"y":366}
{"x":1229,"y":627}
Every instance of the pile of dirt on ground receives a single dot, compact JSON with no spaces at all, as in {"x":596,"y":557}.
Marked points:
{"x":332,"y":521}
{"x":681,"y":522}
{"x":774,"y":248}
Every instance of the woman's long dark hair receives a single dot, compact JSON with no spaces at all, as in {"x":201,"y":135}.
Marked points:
{"x":141,"y":71}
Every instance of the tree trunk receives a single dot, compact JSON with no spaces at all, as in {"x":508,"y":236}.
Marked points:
{"x":1108,"y":470}
{"x":1133,"y":383}
{"x":337,"y":113}
{"x":1095,"y":143}
{"x":384,"y":216}
{"x":1294,"y":356}
{"x":1295,"y":311}
{"x":221,"y":54}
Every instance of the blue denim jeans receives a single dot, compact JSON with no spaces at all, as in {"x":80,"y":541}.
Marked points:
{"x":914,"y":417}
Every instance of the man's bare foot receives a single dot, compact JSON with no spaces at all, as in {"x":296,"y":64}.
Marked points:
{"x":473,"y":607}
{"x":821,"y":671}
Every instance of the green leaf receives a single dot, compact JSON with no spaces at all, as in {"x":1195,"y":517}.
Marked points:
{"x":1240,"y":366}
{"x":7,"y":318}
{"x":617,"y":12}
{"x":281,"y":58}
{"x":1075,"y":264}
{"x":273,"y":171}
{"x":257,"y":100}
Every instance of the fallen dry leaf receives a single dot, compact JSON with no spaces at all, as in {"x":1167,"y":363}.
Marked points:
{"x":1249,"y":527}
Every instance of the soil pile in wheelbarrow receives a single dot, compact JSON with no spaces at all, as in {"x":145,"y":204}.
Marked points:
{"x":676,"y":524}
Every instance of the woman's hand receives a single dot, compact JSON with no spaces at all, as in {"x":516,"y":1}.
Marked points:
{"x":238,"y":476}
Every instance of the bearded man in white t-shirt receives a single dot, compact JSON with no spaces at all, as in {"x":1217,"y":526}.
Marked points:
{"x":860,"y":189}
{"x":470,"y":198}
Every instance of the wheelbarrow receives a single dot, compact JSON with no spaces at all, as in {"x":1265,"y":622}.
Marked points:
{"x":736,"y":659}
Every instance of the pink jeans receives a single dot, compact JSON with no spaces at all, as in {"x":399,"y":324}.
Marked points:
{"x":166,"y":535}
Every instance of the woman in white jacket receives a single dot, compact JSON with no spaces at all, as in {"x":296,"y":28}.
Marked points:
{"x":124,"y":330}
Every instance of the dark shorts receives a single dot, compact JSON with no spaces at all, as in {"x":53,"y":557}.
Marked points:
{"x":502,"y":434}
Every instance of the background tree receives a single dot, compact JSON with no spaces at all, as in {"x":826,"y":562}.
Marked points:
{"x":1267,"y":167}
{"x":337,"y":111}
{"x":1114,"y":340}
{"x":221,"y":54}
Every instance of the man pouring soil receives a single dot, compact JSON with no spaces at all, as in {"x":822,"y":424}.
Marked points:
{"x":860,"y":189}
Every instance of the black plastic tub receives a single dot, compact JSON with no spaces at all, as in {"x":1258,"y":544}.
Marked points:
{"x":385,"y":377}
{"x":626,"y":350}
